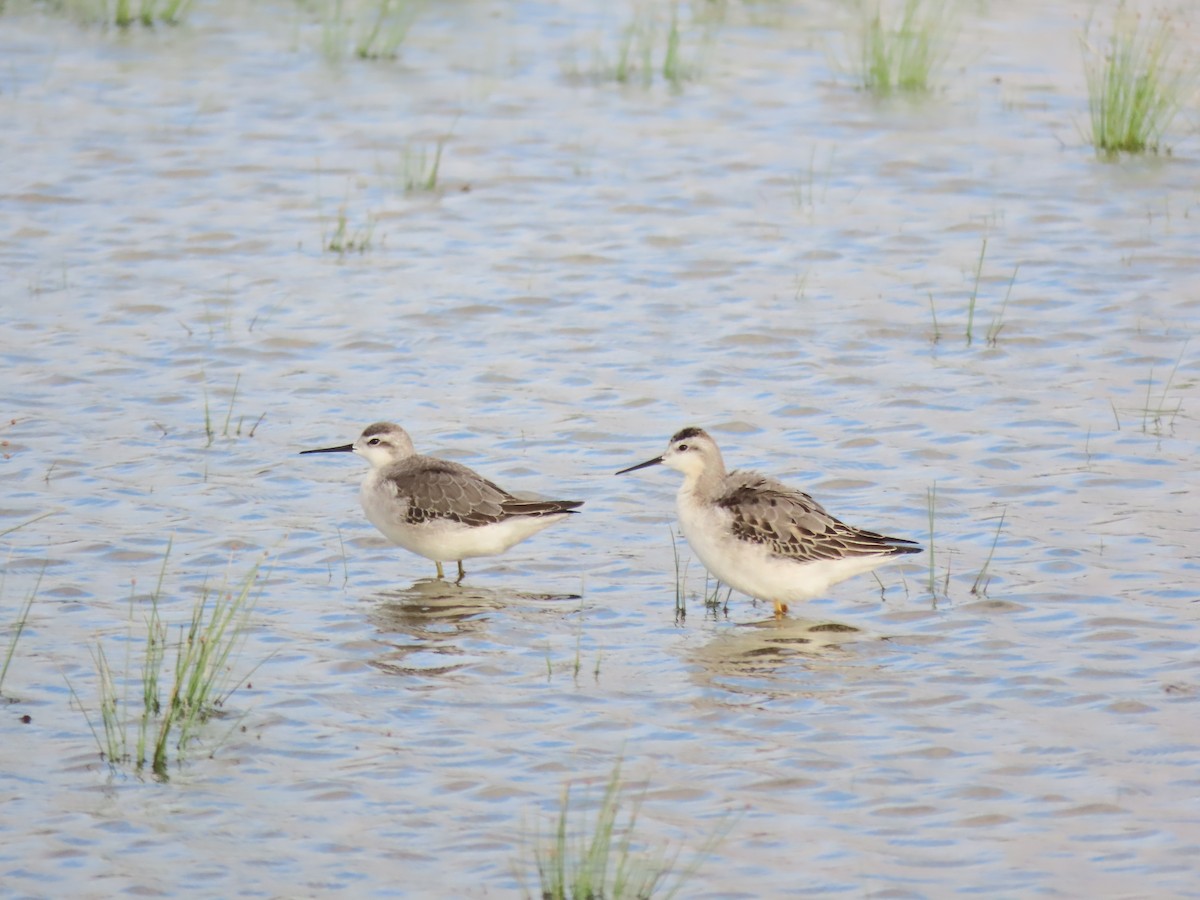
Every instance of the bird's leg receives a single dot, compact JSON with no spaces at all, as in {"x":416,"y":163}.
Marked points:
{"x":462,"y":573}
{"x":780,"y":609}
{"x":441,"y":574}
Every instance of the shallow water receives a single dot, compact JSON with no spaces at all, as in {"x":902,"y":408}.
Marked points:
{"x":599,"y":266}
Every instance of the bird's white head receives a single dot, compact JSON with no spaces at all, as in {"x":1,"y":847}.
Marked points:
{"x":383,"y":443}
{"x":380,"y":444}
{"x":692,"y":452}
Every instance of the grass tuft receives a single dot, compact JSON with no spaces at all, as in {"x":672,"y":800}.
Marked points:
{"x":715,"y":596}
{"x":210,"y":429}
{"x":680,"y":581}
{"x":419,"y":168}
{"x":997,"y":323}
{"x":1135,"y":87}
{"x":1156,"y":415}
{"x":903,"y":55}
{"x":370,"y":29}
{"x":386,"y":29}
{"x":651,"y":48}
{"x":345,"y":238}
{"x":200,"y":679}
{"x":124,"y":13}
{"x":598,"y":860}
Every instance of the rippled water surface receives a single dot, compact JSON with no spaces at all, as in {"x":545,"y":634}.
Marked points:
{"x":761,"y":252}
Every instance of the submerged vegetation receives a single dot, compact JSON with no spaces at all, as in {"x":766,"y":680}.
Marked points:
{"x":210,"y":429}
{"x":980,"y":586}
{"x":994,"y":329}
{"x":931,"y":504}
{"x":1135,"y":86}
{"x":576,"y":664}
{"x":997,"y":324}
{"x":17,"y":628}
{"x":370,"y":29}
{"x":346,"y":238}
{"x":1158,"y":414}
{"x":900,"y":51}
{"x":716,"y":596}
{"x":119,"y":13}
{"x":201,"y":677}
{"x":419,"y":166}
{"x":345,"y":235}
{"x":600,"y":859}
{"x":975,"y":292}
{"x":651,"y":47}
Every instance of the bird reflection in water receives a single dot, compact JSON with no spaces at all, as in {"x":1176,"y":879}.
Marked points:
{"x":426,"y":626}
{"x":765,"y":657}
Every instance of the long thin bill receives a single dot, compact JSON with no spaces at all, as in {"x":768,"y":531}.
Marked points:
{"x":649,"y":462}
{"x":345,"y":448}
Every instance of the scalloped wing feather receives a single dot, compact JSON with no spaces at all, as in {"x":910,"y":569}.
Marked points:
{"x":792,"y":524}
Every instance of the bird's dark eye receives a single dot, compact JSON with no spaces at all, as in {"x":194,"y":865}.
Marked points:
{"x":373,"y":442}
{"x":682,"y":447}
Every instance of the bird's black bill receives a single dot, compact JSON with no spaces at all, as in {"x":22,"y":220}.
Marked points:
{"x":649,"y":462}
{"x":345,"y":448}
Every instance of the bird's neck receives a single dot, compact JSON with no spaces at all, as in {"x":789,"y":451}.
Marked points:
{"x":704,"y":484}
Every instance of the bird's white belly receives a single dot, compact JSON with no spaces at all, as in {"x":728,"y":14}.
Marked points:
{"x":445,"y":540}
{"x":753,"y":569}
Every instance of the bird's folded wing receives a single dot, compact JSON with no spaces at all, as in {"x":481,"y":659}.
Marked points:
{"x":447,"y":490}
{"x":792,"y":524}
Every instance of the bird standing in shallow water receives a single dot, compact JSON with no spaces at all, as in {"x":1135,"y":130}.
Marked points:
{"x":760,"y":536}
{"x":441,"y":509}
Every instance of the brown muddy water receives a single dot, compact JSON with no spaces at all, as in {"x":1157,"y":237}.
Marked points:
{"x":597,"y":266}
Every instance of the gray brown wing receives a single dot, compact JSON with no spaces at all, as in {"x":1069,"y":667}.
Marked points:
{"x":441,"y":489}
{"x":792,"y":524}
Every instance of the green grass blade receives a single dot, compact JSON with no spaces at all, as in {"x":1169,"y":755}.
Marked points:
{"x":975,"y":291}
{"x":19,"y":627}
{"x":981,"y":580}
{"x":931,"y":501}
